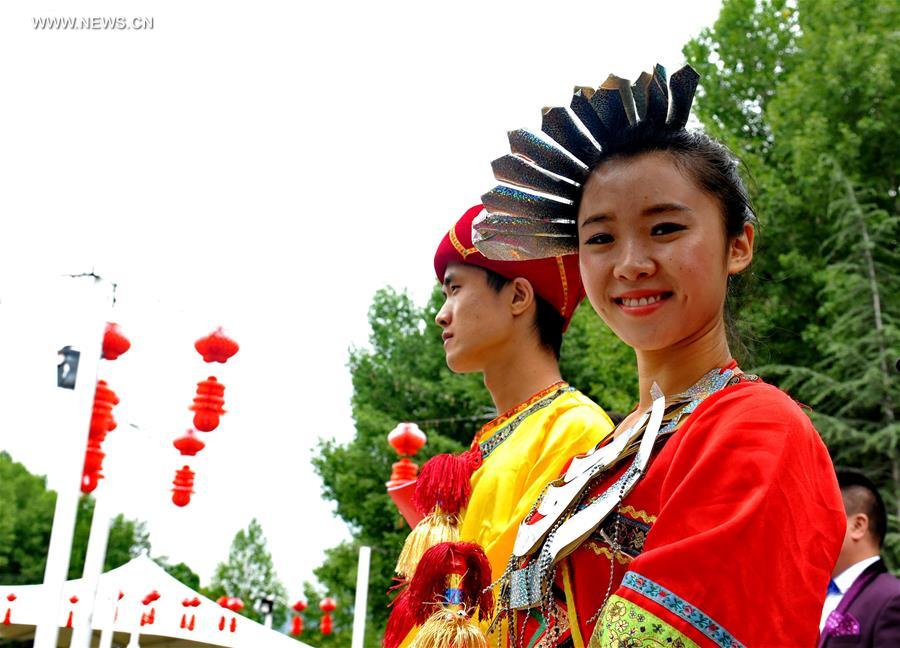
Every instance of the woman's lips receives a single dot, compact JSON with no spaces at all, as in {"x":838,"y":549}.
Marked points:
{"x":642,"y":302}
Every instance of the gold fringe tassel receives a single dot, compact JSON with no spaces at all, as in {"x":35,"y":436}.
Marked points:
{"x":434,"y":528}
{"x":450,"y":627}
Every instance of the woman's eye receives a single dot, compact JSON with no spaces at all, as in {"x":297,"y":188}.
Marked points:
{"x":662,"y":229}
{"x":599,"y":239}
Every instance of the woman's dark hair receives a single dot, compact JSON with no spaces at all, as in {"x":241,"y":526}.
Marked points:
{"x":707,"y":162}
{"x":713,"y":168}
{"x":547,"y":321}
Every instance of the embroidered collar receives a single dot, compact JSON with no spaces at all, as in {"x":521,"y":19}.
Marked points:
{"x":502,"y":427}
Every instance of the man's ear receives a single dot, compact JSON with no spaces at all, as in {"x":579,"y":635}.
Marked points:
{"x":858,"y":525}
{"x":522,"y":294}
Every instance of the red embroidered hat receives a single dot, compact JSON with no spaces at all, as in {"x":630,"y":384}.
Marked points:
{"x":554,"y":279}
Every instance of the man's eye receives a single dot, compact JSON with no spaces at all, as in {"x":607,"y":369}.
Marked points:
{"x":662,"y":229}
{"x":599,"y":239}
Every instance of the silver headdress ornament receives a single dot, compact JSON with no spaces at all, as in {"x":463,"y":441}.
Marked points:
{"x":533,"y":214}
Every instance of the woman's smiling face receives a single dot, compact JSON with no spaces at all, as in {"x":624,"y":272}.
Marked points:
{"x":653,"y":252}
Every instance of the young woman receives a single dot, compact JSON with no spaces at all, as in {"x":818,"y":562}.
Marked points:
{"x":712,"y":516}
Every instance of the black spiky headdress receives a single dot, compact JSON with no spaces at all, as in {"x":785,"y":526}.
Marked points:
{"x":533,"y":214}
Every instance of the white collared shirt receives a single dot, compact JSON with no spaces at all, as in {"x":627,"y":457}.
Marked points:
{"x":843,"y":581}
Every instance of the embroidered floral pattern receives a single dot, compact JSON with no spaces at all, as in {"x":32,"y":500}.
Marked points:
{"x":678,"y":606}
{"x":626,"y":625}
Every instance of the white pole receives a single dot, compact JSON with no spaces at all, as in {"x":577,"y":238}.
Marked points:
{"x":93,"y":567}
{"x":86,"y":318}
{"x":362,"y":591}
{"x":109,"y":607}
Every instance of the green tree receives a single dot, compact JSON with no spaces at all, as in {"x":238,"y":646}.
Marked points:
{"x":852,"y":387}
{"x":127,"y":539}
{"x":25,"y":524}
{"x":810,"y":100}
{"x":181,"y":572}
{"x":249,"y":574}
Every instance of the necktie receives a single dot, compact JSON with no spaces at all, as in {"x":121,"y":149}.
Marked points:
{"x":833,"y":588}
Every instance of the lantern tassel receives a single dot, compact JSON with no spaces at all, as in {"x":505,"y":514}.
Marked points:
{"x":450,"y":626}
{"x":433,"y":529}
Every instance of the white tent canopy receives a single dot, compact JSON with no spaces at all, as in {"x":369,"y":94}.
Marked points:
{"x":162,"y":623}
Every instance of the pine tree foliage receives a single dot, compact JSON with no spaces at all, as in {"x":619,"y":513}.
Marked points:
{"x":806,"y":92}
{"x":853,"y":387}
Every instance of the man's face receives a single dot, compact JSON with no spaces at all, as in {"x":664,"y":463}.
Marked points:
{"x":476,"y":319}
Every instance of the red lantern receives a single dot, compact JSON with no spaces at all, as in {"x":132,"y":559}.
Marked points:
{"x":183,"y":485}
{"x":297,"y":626}
{"x":208,"y":404}
{"x":216,"y":347}
{"x":299,"y":606}
{"x":327,"y":606}
{"x":188,"y":445}
{"x":114,"y":343}
{"x":152,"y":596}
{"x":102,"y":422}
{"x":407,"y":439}
{"x":235,"y":604}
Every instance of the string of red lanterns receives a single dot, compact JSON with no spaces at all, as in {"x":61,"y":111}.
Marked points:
{"x":102,"y":422}
{"x":297,"y":621}
{"x":327,"y":606}
{"x":208,"y":408}
{"x":326,"y":626}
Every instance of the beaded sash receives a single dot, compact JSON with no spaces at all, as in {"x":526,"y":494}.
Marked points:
{"x":571,"y":519}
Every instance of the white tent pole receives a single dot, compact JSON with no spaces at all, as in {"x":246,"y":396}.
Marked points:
{"x":87,"y":338}
{"x":93,"y":567}
{"x":362,"y":591}
{"x":106,"y":634}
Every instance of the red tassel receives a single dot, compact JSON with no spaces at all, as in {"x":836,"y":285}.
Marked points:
{"x":233,"y":624}
{"x":445,"y":481}
{"x":69,"y":620}
{"x":222,"y":624}
{"x":413,"y":606}
{"x":191,"y":624}
{"x":6,"y":619}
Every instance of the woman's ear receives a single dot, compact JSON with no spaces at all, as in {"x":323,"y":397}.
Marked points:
{"x":522,"y":294}
{"x":740,"y":250}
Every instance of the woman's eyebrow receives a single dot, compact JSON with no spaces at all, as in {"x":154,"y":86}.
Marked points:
{"x":665,"y":207}
{"x":596,"y":218}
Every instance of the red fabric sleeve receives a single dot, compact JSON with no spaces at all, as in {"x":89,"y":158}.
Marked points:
{"x":750,"y":523}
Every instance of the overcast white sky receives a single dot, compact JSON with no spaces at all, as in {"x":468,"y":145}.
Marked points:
{"x":265,"y":166}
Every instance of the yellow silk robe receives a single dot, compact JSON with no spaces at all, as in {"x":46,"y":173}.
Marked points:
{"x":537,"y":439}
{"x":533,"y":442}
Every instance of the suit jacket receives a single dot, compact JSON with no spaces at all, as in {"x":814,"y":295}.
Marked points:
{"x":869,"y":613}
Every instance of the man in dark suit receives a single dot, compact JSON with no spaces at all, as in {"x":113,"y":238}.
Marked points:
{"x":863,"y":603}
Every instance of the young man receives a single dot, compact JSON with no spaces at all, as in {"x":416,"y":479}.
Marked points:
{"x":863,"y":603}
{"x":506,"y":319}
